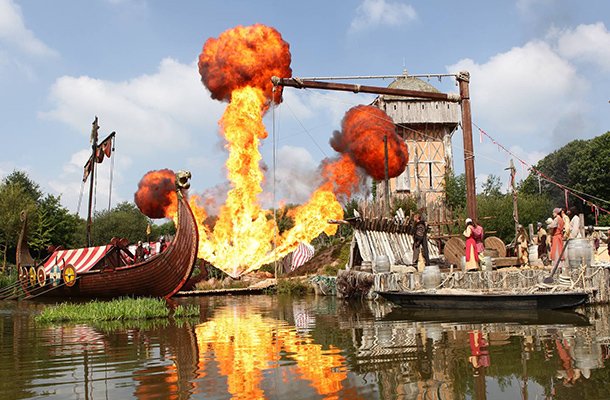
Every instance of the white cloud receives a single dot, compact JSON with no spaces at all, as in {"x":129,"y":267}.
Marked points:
{"x":150,"y":113}
{"x":586,"y":43}
{"x":14,"y":31}
{"x":524,"y":91}
{"x":375,"y":13}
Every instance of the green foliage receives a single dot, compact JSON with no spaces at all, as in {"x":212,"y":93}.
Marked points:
{"x":124,"y":308}
{"x":186,"y":311}
{"x":8,"y":279}
{"x":583,"y":165}
{"x":124,"y":221}
{"x":68,"y":230}
{"x":532,"y":209}
{"x":292,"y":287}
{"x":13,"y":199}
{"x":408,"y":204}
{"x":455,"y":191}
{"x":21,"y":178}
{"x":492,"y":186}
{"x":166,"y":229}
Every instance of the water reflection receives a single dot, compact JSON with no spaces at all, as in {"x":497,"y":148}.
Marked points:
{"x":269,"y":347}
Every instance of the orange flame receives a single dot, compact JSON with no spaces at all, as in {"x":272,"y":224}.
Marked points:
{"x":242,"y":57}
{"x":237,"y":67}
{"x":244,"y":344}
{"x":342,"y":174}
{"x":363,"y":130}
{"x":156,"y":196}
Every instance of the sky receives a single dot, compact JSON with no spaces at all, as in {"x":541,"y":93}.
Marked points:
{"x":539,"y":79}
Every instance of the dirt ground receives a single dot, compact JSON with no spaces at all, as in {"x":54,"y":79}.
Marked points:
{"x":324,"y":262}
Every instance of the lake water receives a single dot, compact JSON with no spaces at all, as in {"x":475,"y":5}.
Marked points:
{"x":248,"y":347}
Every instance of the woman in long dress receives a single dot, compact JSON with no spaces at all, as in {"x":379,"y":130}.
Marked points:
{"x":557,"y":236}
{"x":472,"y":255}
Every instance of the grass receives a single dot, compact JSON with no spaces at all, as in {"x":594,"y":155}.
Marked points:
{"x":123,"y":309}
{"x":186,"y":311}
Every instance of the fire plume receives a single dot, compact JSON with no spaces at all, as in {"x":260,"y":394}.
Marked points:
{"x":156,"y":196}
{"x":237,"y":67}
{"x":244,"y":56}
{"x":363,"y":130}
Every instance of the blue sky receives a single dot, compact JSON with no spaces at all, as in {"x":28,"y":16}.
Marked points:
{"x":539,"y":78}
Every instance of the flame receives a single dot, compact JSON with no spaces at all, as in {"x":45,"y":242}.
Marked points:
{"x":244,"y":344}
{"x":237,"y":66}
{"x":363,"y":130}
{"x":245,"y":56}
{"x":342,"y":174}
{"x":156,"y":196}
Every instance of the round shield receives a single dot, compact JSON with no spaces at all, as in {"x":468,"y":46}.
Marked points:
{"x":32,"y":275}
{"x":69,"y":275}
{"x":55,"y":275}
{"x":42,"y":276}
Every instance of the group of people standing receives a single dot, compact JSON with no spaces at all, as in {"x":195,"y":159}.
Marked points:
{"x":562,"y":226}
{"x":474,"y":242}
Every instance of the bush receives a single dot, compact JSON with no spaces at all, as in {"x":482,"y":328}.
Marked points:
{"x":293,"y":287}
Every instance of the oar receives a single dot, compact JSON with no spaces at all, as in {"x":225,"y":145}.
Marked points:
{"x":549,"y":279}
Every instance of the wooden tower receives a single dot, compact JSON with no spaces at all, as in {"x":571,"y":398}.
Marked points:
{"x":427,"y":127}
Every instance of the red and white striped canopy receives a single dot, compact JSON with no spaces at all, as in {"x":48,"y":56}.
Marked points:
{"x":81,"y":259}
{"x":301,"y":255}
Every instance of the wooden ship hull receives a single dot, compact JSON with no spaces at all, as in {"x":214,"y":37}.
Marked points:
{"x":486,"y":301}
{"x":161,"y":275}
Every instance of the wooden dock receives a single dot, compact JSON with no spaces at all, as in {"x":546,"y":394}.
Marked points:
{"x":257,"y":288}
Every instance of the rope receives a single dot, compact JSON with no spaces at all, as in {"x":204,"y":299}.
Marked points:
{"x":80,"y":197}
{"x":111,"y":171}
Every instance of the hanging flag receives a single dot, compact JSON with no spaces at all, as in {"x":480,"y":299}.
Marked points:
{"x":565,"y":191}
{"x":88,"y":167}
{"x":104,"y":148}
{"x":301,"y":255}
{"x":148,"y":230}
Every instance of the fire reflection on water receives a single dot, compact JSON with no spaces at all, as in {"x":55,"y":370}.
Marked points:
{"x":245,"y":344}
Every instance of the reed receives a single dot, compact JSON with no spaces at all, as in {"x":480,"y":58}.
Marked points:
{"x":121,"y":309}
{"x":186,"y":311}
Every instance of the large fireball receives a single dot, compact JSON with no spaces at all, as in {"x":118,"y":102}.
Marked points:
{"x":362,"y":133}
{"x":156,"y":196}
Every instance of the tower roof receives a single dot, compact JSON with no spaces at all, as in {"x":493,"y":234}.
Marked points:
{"x":409,"y":83}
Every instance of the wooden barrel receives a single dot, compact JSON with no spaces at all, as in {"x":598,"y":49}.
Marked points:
{"x":495,"y":243}
{"x":455,"y":249}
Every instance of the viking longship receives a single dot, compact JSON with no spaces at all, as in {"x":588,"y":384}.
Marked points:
{"x":108,"y":271}
{"x":111,"y":270}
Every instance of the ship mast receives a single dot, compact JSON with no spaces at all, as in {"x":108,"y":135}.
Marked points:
{"x":94,"y":130}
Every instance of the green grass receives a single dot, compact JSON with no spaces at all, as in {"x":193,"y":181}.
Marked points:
{"x":186,"y":311}
{"x":122,"y":309}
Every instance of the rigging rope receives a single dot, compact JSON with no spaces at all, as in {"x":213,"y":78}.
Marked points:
{"x":111,"y":171}
{"x":80,"y":197}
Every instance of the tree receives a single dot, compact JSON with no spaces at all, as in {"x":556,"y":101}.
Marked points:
{"x":14,"y":198}
{"x":67,"y":229}
{"x":30,"y":188}
{"x":123,"y":221}
{"x":582,"y":165}
{"x":455,"y":191}
{"x":492,"y":186}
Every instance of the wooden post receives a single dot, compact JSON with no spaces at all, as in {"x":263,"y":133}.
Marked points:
{"x":513,"y":171}
{"x":94,"y":130}
{"x":463,"y":79}
{"x":386,"y":175}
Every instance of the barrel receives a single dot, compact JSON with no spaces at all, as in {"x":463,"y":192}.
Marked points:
{"x":486,"y":263}
{"x":431,"y":277}
{"x":579,"y":253}
{"x":382,"y":264}
{"x":533,"y":253}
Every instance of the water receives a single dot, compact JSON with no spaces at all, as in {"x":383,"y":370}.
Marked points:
{"x":248,"y":347}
